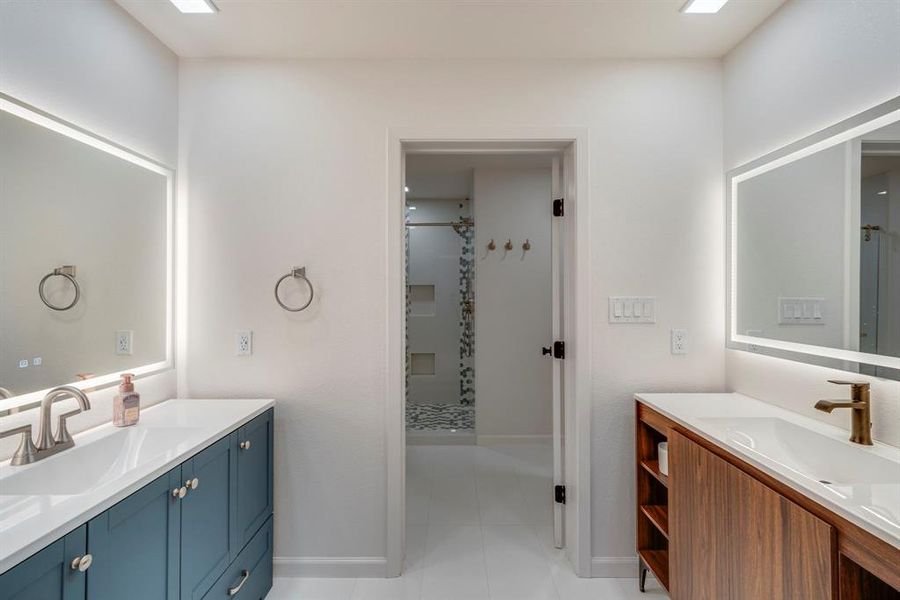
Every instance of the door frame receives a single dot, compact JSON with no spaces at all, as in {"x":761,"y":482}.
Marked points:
{"x":572,"y":141}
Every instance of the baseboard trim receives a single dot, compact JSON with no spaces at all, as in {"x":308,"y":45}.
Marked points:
{"x":614,"y":566}
{"x":330,"y":566}
{"x":493,"y":440}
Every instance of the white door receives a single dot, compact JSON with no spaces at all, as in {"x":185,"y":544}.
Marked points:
{"x":556,"y":258}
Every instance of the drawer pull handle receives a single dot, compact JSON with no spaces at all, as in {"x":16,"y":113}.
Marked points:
{"x":245,"y":445}
{"x":192,"y":484}
{"x":179,"y":493}
{"x":82,"y":563}
{"x":245,"y":574}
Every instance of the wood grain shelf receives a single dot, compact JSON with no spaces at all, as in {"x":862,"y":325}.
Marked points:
{"x":658,"y":563}
{"x":652,"y":467}
{"x":659,"y":516}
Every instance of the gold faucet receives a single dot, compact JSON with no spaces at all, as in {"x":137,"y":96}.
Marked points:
{"x":860,"y":411}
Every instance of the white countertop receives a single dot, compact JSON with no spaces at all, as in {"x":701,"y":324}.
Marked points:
{"x":863,"y":481}
{"x":43,"y":501}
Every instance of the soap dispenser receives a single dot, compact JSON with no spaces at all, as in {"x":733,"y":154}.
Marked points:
{"x":127,"y":403}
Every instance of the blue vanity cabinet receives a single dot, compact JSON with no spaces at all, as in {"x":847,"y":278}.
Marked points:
{"x":209,"y":533}
{"x":48,"y":575}
{"x":255,"y":476}
{"x":200,"y":531}
{"x":135,"y":545}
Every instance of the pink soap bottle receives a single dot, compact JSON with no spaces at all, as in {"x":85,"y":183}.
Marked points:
{"x":127,"y":403}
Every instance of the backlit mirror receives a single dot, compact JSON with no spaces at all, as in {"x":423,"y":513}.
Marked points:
{"x":85,"y":257}
{"x":814,"y":246}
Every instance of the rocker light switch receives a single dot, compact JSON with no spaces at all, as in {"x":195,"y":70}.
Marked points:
{"x":632,"y":309}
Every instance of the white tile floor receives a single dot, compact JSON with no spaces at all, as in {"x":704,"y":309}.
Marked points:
{"x":479,"y":527}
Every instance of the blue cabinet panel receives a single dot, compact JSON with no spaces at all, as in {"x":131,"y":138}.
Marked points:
{"x":48,"y":575}
{"x":135,"y":545}
{"x":209,"y":536}
{"x":255,"y":474}
{"x":251,"y":571}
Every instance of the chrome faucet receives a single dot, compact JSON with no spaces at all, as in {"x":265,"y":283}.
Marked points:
{"x":860,"y":411}
{"x":47,"y":444}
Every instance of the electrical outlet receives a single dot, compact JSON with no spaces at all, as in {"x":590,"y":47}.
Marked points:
{"x":23,"y":364}
{"x":679,"y":341}
{"x":123,"y":342}
{"x":244,"y":343}
{"x":37,"y":361}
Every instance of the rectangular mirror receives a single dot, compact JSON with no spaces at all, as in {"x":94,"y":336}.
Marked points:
{"x":814,"y":248}
{"x":85,"y":257}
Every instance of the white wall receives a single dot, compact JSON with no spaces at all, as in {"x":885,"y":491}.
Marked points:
{"x":285,"y":163}
{"x":809,"y":66}
{"x":91,"y":64}
{"x":513,"y":381}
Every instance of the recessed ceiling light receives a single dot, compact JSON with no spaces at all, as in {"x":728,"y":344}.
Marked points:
{"x":405,"y":188}
{"x":194,"y":6}
{"x":882,"y":193}
{"x":703,"y":6}
{"x":412,"y":208}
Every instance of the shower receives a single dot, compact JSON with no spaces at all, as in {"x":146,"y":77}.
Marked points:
{"x":440,"y":317}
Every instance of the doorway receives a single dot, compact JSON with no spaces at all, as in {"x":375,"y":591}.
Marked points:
{"x":452,"y":221}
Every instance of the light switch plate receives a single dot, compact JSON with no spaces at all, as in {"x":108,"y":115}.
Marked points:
{"x":632,"y":309}
{"x":801,"y":311}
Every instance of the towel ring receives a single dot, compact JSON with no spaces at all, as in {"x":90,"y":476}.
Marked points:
{"x":296,"y":273}
{"x":67,"y":271}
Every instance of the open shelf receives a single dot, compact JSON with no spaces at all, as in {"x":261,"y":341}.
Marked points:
{"x":658,"y":563}
{"x":652,"y":504}
{"x":659,"y":516}
{"x":652,"y":467}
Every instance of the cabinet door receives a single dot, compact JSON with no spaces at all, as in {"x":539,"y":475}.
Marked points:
{"x":209,"y":540}
{"x":731,"y":536}
{"x":135,"y":545}
{"x":255,"y":474}
{"x":48,"y":575}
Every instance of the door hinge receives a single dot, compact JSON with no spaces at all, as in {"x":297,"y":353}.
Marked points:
{"x":558,"y":208}
{"x":559,"y":494}
{"x":559,"y":349}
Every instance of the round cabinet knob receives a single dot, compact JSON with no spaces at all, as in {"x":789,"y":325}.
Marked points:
{"x":179,"y":493}
{"x":192,"y":484}
{"x":245,"y":445}
{"x":82,"y":563}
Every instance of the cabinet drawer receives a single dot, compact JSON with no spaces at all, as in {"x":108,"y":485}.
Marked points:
{"x":253,"y":567}
{"x":254,"y":475}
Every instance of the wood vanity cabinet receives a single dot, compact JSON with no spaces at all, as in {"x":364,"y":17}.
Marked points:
{"x":196,"y":533}
{"x":733,"y":537}
{"x":718,"y":528}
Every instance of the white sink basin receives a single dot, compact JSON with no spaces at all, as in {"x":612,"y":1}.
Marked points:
{"x":806,"y":452}
{"x":90,"y":465}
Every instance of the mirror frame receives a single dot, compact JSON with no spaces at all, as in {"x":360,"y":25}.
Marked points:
{"x":16,"y":107}
{"x":846,"y":360}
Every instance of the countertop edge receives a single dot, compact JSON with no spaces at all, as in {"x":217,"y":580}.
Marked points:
{"x":884,"y":535}
{"x":22,"y":553}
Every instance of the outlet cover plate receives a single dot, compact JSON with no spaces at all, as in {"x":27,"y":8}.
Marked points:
{"x":243,"y":342}
{"x":124,"y":339}
{"x":679,"y":341}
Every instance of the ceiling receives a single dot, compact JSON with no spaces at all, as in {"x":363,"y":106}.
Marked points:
{"x":451,"y":29}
